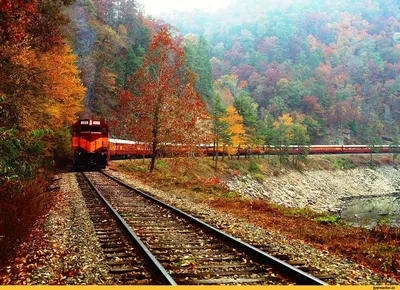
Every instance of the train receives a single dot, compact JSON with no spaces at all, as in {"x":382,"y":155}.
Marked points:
{"x":90,"y":144}
{"x":93,"y":148}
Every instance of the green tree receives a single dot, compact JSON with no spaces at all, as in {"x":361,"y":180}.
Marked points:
{"x":203,"y":67}
{"x":247,"y":108}
{"x":220,"y":127}
{"x":283,"y":136}
{"x":301,"y":139}
{"x":197,"y":60}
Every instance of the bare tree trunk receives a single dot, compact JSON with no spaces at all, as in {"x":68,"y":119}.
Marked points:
{"x":216,"y":156}
{"x":214,"y":151}
{"x":372,"y":146}
{"x":153,"y":156}
{"x":155,"y":135}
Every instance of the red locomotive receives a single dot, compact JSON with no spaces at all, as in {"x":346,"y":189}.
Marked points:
{"x":90,"y":144}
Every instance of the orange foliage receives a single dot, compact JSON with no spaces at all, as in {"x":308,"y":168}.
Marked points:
{"x":39,"y":74}
{"x":64,"y":90}
{"x":51,"y":97}
{"x":243,"y":84}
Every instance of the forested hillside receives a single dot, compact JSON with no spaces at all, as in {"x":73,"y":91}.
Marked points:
{"x":331,"y":66}
{"x":298,"y":72}
{"x":110,"y":39}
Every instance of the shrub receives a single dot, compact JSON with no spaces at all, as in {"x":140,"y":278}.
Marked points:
{"x":234,"y":165}
{"x":228,"y":194}
{"x":259,"y":177}
{"x":300,"y":166}
{"x":62,"y":147}
{"x":253,"y":166}
{"x":327,"y":219}
{"x":236,"y":173}
{"x":343,"y":163}
{"x":161,"y":164}
{"x":385,"y":219}
{"x":387,"y":159}
{"x":211,"y":181}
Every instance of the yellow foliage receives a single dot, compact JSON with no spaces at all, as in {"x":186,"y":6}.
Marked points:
{"x":283,"y":125}
{"x":236,"y":128}
{"x":283,"y":83}
{"x":63,"y":90}
{"x":285,"y":120}
{"x":53,"y":96}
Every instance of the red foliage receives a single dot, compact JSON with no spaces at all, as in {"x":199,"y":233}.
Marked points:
{"x":308,"y":103}
{"x":211,"y":181}
{"x":236,"y":173}
{"x":387,"y":160}
{"x":21,"y":205}
{"x":272,"y":76}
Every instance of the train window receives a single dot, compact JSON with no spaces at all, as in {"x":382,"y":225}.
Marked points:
{"x":86,"y":128}
{"x":104,"y":131}
{"x":74,"y":131}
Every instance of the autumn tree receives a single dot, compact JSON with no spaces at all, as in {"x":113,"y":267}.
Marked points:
{"x":40,"y":81}
{"x":40,"y":94}
{"x":165,"y":105}
{"x":110,"y":37}
{"x":236,"y":128}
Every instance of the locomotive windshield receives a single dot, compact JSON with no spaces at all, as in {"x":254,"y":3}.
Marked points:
{"x":86,"y":128}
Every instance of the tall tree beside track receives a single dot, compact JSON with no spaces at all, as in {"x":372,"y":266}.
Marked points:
{"x":165,"y":106}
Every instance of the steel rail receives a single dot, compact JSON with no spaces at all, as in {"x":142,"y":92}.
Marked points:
{"x":159,"y":273}
{"x":299,"y":276}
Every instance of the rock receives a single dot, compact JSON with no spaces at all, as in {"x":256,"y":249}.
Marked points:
{"x":321,"y":190}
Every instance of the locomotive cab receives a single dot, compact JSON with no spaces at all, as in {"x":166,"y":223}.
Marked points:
{"x":90,"y":144}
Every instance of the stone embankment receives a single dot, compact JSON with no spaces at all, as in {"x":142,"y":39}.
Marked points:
{"x":320,"y":190}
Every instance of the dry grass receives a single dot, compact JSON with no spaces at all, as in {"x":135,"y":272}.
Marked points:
{"x":22,"y":203}
{"x":378,"y":248}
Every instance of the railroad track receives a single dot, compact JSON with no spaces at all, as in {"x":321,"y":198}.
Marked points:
{"x":126,"y":265}
{"x":183,"y":250}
